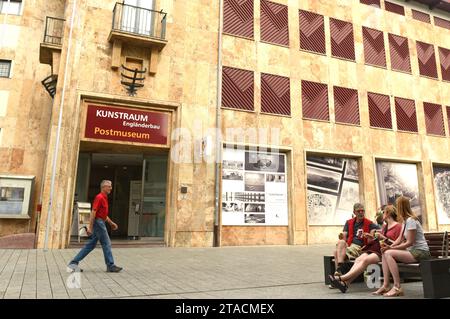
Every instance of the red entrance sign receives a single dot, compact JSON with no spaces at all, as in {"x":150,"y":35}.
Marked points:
{"x":120,"y":124}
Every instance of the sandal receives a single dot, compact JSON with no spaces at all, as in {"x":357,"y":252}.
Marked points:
{"x":397,"y":292}
{"x":381,"y":291}
{"x":339,"y":284}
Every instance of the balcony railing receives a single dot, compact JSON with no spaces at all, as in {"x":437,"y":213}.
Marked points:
{"x":54,"y":30}
{"x":139,"y":21}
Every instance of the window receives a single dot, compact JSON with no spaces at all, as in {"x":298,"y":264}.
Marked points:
{"x":434,"y":119}
{"x":444,"y":57}
{"x":399,"y":53}
{"x":237,"y":89}
{"x":342,"y":41}
{"x":406,"y":115}
{"x":427,"y":59}
{"x":275,"y":94}
{"x":138,"y":18}
{"x":238,"y":18}
{"x":5,"y":68}
{"x":346,"y":106}
{"x":373,"y":3}
{"x":421,"y":16}
{"x":442,"y":23}
{"x":395,"y":8}
{"x":315,"y":101}
{"x":11,"y":7}
{"x":379,"y":110}
{"x":312,"y":32}
{"x":374,"y":47}
{"x":274,"y":23}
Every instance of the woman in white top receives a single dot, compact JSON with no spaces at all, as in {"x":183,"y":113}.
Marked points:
{"x":414,"y":249}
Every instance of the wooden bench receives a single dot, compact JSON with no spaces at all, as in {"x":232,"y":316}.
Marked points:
{"x":434,"y":273}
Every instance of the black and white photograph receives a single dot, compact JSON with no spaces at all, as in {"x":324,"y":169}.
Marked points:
{"x":255,"y":218}
{"x":11,"y":200}
{"x":323,"y":179}
{"x":397,"y":179}
{"x":230,"y":164}
{"x":253,"y":197}
{"x":327,"y":162}
{"x":348,"y":196}
{"x":442,"y":187}
{"x":232,"y":175}
{"x":321,"y":208}
{"x":276,"y":178}
{"x":265,"y":162}
{"x":254,"y":182}
{"x":351,"y":169}
{"x":256,"y":208}
{"x":232,"y":207}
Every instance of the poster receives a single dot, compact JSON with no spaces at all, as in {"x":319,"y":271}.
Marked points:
{"x":332,"y":189}
{"x":398,"y":179}
{"x":254,"y":188}
{"x":441,"y":176}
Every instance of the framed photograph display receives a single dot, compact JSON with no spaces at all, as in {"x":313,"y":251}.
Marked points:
{"x":15,"y":196}
{"x":441,"y":176}
{"x":254,"y":188}
{"x":332,"y":189}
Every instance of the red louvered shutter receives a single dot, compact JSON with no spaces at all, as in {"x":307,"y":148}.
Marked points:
{"x":427,"y":59}
{"x":444,"y":58}
{"x":373,"y":3}
{"x":379,"y":110}
{"x":394,"y":8}
{"x":275,"y":94}
{"x":448,"y":117}
{"x":434,"y":120}
{"x":399,"y":50}
{"x":421,"y":16}
{"x":442,"y":23}
{"x":405,"y":110}
{"x":374,"y":53}
{"x":274,"y":23}
{"x":315,"y":101}
{"x":312,"y":32}
{"x":342,"y":41}
{"x":238,"y":18}
{"x":346,"y":105}
{"x":237,"y":89}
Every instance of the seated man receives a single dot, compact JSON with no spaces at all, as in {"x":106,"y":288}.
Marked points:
{"x":351,"y":240}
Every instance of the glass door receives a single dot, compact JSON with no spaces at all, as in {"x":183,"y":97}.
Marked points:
{"x":154,"y":184}
{"x":137,"y":17}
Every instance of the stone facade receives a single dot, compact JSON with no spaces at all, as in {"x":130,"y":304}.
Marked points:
{"x":185,"y":85}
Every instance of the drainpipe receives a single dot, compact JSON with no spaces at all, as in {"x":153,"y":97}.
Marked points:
{"x":58,"y":132}
{"x":218,"y":130}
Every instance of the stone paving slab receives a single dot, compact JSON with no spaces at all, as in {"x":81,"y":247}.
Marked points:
{"x":268,"y":272}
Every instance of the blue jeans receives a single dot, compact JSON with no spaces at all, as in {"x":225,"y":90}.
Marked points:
{"x":99,"y":233}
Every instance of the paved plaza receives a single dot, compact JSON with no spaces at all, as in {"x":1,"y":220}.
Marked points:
{"x":291,"y":272}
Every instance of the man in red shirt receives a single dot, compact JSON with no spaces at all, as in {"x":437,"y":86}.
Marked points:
{"x":97,"y":230}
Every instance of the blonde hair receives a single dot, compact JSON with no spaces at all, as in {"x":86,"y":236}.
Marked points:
{"x":404,"y":208}
{"x":391,"y":211}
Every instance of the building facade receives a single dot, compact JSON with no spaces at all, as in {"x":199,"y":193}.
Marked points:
{"x":318,"y":104}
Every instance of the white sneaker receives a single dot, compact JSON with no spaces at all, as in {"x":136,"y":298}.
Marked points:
{"x":73,"y":268}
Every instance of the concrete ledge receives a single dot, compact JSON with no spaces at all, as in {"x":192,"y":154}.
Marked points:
{"x":18,"y":241}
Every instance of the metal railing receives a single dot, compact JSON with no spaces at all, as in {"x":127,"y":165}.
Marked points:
{"x":139,"y":21}
{"x":54,"y":30}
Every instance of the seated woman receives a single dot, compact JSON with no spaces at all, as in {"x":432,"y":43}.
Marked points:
{"x":413,"y":250}
{"x":371,"y":253}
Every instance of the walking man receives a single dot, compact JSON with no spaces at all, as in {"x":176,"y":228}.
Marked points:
{"x":97,"y":230}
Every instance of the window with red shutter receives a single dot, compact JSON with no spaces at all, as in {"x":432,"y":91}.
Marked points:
{"x":434,"y":120}
{"x":346,"y":105}
{"x":373,"y":3}
{"x":442,"y":23}
{"x":374,"y":53}
{"x":275,"y":94}
{"x":444,"y":58}
{"x":427,"y":59}
{"x":342,"y":40}
{"x":379,"y":110}
{"x":274,"y":23}
{"x":312,"y":32}
{"x":238,"y":17}
{"x":421,"y":16}
{"x":315,"y":101}
{"x":405,"y":111}
{"x":237,"y":89}
{"x":394,"y":8}
{"x":399,"y":52}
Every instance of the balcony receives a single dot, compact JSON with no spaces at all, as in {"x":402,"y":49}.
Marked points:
{"x":50,"y":48}
{"x":138,"y":27}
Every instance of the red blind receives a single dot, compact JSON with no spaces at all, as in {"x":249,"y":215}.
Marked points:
{"x":399,"y":51}
{"x":427,"y":59}
{"x":434,"y":120}
{"x":444,"y":58}
{"x":405,"y":111}
{"x":315,"y":101}
{"x":237,"y":89}
{"x":312,"y":32}
{"x":342,"y":41}
{"x":379,"y":110}
{"x":421,"y":16}
{"x":374,"y":3}
{"x":274,"y":23}
{"x":442,"y":23}
{"x":275,"y":94}
{"x":238,"y":17}
{"x":346,"y":106}
{"x":374,"y":53}
{"x":395,"y":8}
{"x":448,"y":116}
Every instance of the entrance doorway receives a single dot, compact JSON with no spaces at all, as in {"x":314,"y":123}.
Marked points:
{"x":137,"y":203}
